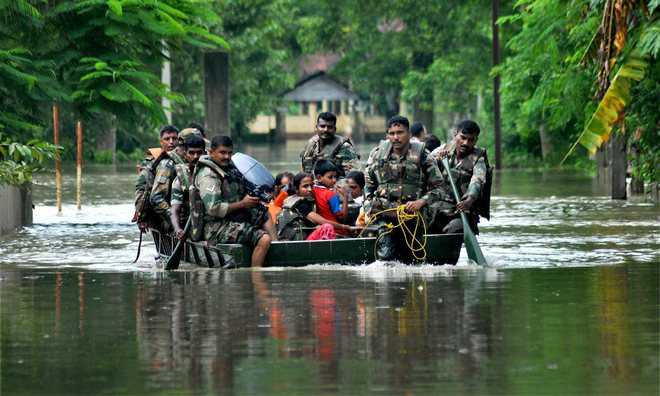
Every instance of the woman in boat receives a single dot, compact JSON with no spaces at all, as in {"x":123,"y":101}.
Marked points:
{"x":299,"y":217}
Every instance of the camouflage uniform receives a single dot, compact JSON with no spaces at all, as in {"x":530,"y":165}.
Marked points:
{"x":392,"y":180}
{"x":146,"y":171}
{"x":472,"y":178}
{"x":340,"y":151}
{"x":218,"y":187}
{"x":162,"y":188}
{"x":180,"y":192}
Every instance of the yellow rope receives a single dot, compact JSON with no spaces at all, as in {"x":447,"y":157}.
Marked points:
{"x":410,"y":236}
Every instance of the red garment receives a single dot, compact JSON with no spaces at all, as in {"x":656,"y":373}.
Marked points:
{"x":323,"y":232}
{"x":322,"y":196}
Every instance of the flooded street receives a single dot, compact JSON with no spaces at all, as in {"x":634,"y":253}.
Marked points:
{"x":568,"y":306}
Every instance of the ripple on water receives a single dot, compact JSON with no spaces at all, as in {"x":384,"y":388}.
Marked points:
{"x":524,"y":232}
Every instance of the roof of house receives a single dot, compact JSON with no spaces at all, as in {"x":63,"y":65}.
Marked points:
{"x":318,"y":87}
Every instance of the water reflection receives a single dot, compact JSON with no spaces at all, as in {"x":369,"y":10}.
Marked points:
{"x":589,"y":330}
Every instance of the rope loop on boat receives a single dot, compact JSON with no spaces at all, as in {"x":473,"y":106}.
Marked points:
{"x":417,"y":247}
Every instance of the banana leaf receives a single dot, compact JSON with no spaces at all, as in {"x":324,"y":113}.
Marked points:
{"x":611,"y":107}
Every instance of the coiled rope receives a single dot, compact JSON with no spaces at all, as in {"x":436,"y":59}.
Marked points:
{"x":417,"y":247}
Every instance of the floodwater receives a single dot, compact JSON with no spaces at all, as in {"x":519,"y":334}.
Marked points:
{"x":569,"y":305}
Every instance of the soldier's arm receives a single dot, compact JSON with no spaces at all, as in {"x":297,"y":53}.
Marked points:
{"x":210,"y":191}
{"x":433,"y":178}
{"x":160,"y":190}
{"x":348,"y":157}
{"x":370,"y":182}
{"x":177,"y":201}
{"x":478,"y":180}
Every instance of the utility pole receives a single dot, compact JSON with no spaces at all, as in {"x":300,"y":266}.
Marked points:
{"x":496,"y":86}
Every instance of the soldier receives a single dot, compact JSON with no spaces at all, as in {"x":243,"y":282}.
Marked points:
{"x":471,"y":173}
{"x":144,"y":215}
{"x":230,"y":215}
{"x":194,"y":148}
{"x":327,"y":145}
{"x":161,"y":191}
{"x":399,"y":172}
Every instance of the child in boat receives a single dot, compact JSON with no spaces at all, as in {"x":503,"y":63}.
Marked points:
{"x":329,"y":203}
{"x":299,"y":213}
{"x":283,"y":182}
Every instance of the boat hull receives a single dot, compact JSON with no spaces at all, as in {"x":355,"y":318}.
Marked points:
{"x":440,"y":249}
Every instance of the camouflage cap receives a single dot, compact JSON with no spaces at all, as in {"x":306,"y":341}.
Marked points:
{"x":193,"y":131}
{"x":188,"y":132}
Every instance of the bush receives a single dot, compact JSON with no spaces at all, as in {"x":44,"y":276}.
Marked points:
{"x":19,"y":161}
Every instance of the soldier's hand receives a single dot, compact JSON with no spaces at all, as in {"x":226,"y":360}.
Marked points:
{"x":415,"y":206}
{"x":466,"y":204}
{"x":249,"y":201}
{"x":179,"y":234}
{"x":442,"y":154}
{"x":144,"y":227}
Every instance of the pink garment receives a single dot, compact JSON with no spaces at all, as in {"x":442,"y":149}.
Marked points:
{"x":323,"y":232}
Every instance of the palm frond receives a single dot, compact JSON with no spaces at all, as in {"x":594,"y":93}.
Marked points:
{"x":611,"y":107}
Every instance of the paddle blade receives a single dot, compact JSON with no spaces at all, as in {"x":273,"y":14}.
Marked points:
{"x":174,"y":260}
{"x":471,"y":245}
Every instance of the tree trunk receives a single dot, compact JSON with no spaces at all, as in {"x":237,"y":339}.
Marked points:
{"x":496,"y":86}
{"x":546,"y":143}
{"x":107,"y":140}
{"x":216,"y":92}
{"x":280,"y":125}
{"x":619,"y":165}
{"x":423,"y":116}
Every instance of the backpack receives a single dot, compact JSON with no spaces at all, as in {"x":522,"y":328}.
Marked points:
{"x":144,"y":212}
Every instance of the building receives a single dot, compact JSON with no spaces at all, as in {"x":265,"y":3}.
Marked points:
{"x":316,"y":93}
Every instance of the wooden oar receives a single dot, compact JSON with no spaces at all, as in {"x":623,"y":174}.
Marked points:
{"x":471,"y":244}
{"x":174,"y":260}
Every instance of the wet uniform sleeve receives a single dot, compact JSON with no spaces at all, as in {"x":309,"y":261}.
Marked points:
{"x":371,"y":182}
{"x":160,"y":192}
{"x":432,"y":176}
{"x":478,"y":179}
{"x":210,"y":191}
{"x":177,"y":192}
{"x":348,"y":157}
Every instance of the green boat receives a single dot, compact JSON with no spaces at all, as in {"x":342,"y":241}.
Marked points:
{"x":440,"y":249}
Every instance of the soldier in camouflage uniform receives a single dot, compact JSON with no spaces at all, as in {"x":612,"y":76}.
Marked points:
{"x":230,"y":215}
{"x":194,"y":148}
{"x":161,"y":192}
{"x":471,"y":173}
{"x":145,"y":215}
{"x":399,"y":172}
{"x":327,"y":145}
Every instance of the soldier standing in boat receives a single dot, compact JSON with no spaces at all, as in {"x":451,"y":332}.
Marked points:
{"x":399,"y":172}
{"x":228,"y":214}
{"x":162,"y":188}
{"x":326,"y":144}
{"x":194,"y":147}
{"x":145,"y":215}
{"x":471,"y":173}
